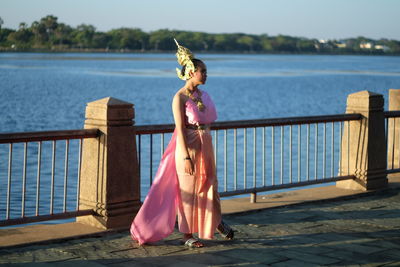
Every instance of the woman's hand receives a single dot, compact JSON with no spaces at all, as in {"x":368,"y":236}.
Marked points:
{"x":189,"y":169}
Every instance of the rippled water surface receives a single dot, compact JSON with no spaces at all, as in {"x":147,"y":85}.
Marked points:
{"x":50,"y":91}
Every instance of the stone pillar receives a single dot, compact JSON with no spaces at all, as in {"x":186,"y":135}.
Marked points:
{"x":394,"y":130}
{"x":366,"y":143}
{"x":110,"y":182}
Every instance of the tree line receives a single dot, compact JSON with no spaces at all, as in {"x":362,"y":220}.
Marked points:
{"x":48,"y":34}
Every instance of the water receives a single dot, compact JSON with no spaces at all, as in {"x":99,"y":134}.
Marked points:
{"x":50,"y":92}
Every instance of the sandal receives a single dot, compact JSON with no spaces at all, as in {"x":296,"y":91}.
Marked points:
{"x":191,"y":243}
{"x":226,"y":231}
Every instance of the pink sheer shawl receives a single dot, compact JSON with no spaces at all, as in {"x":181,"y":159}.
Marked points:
{"x":156,"y":218}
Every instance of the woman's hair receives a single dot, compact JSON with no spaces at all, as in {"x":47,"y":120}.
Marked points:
{"x":196,"y":63}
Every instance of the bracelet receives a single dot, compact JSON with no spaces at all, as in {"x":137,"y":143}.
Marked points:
{"x":187,"y":158}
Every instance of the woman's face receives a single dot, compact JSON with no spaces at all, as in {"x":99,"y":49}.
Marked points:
{"x":200,"y":75}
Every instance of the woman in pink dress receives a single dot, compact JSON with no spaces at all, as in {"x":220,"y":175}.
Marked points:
{"x":185,"y":184}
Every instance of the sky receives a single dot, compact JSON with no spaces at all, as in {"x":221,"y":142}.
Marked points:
{"x":321,"y":19}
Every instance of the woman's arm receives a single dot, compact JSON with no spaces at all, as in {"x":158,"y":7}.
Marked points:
{"x":178,"y":109}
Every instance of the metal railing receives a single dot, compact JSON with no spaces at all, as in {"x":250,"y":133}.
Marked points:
{"x":45,"y":192}
{"x":37,"y":184}
{"x":279,"y":153}
{"x":392,"y":123}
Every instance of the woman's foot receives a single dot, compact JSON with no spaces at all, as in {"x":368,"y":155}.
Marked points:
{"x":225,"y":231}
{"x":191,"y":242}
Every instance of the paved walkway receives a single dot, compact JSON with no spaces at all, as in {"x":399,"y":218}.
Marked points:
{"x":353,"y":231}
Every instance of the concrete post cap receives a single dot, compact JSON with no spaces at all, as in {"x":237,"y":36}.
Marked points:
{"x":110,"y":102}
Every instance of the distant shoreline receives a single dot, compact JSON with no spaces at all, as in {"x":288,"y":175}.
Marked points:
{"x":128,"y":51}
{"x":48,"y":35}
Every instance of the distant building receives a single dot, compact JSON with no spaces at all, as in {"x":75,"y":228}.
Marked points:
{"x":322,"y":44}
{"x":340,"y":44}
{"x":366,"y":45}
{"x":384,"y":48}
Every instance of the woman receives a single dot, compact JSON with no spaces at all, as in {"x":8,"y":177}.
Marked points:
{"x":186,"y":182}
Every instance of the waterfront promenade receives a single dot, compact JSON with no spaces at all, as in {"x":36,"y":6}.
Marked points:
{"x":356,"y":222}
{"x":324,"y":226}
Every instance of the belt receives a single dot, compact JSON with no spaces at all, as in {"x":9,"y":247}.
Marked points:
{"x":197,"y":127}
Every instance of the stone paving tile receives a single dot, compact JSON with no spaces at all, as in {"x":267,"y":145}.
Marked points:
{"x":392,"y":254}
{"x":158,"y":261}
{"x":347,"y":257}
{"x":365,"y":249}
{"x":392,"y":264}
{"x":294,"y":263}
{"x":74,"y":263}
{"x":351,"y":264}
{"x":389,"y":244}
{"x":260,"y":255}
{"x":314,"y":250}
{"x":308,"y":258}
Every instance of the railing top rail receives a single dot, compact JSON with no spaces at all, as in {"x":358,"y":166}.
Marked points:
{"x":168,"y":128}
{"x":391,"y":113}
{"x":154,"y":129}
{"x":47,"y":135}
{"x":284,"y":121}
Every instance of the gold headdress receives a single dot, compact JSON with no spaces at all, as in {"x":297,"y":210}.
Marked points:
{"x":184,"y":59}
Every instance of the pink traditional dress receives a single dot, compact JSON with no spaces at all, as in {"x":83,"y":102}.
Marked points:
{"x":194,"y":198}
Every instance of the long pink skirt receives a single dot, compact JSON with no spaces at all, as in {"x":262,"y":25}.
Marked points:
{"x":200,"y":209}
{"x":194,"y":197}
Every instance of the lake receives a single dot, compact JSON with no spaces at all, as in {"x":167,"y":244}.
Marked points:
{"x":50,"y":91}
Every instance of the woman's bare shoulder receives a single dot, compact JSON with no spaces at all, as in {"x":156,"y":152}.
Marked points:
{"x":180,"y":97}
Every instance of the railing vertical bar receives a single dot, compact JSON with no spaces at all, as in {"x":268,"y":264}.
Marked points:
{"x":151,"y":159}
{"x":333,"y":150}
{"x":39,"y":166}
{"x":216,"y":152}
{"x":324,"y":154}
{"x":282,"y":152}
{"x":299,"y":153}
{"x":24,"y":180}
{"x":215,"y":149}
{"x":273,"y":155}
{"x":140,"y":155}
{"x":263,"y":156}
{"x":100,"y":180}
{"x":66,"y":174}
{"x":316,"y":152}
{"x":162,"y":145}
{"x":290,"y":153}
{"x":348,"y":147}
{"x":387,"y":141}
{"x":78,"y":188}
{"x":394,"y":140}
{"x":53,"y":171}
{"x":308,"y":153}
{"x":225,"y":160}
{"x":10,"y":152}
{"x":235,"y":176}
{"x":244,"y":158}
{"x":254,"y":157}
{"x":398,"y":143}
{"x":340,"y":147}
